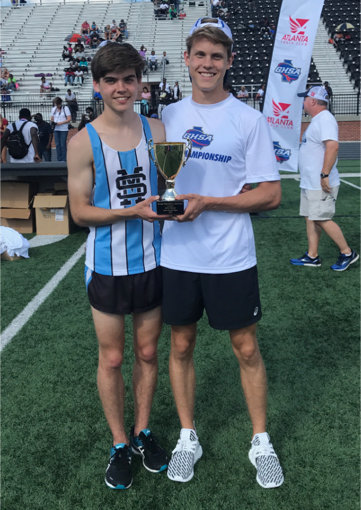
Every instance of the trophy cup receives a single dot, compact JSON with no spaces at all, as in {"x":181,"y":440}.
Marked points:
{"x":169,"y":157}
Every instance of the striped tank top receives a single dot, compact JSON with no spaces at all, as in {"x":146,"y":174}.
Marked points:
{"x":123,"y":179}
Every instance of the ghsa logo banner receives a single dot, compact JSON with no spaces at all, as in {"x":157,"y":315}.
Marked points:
{"x":289,"y":73}
{"x":281,"y":154}
{"x":297,"y":36}
{"x":198,"y":138}
{"x":280,"y":119}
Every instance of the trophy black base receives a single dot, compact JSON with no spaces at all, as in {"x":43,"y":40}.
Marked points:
{"x":170,"y":207}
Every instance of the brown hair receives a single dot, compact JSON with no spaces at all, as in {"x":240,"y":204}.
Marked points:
{"x":213,"y":34}
{"x":57,"y":101}
{"x":116,"y":57}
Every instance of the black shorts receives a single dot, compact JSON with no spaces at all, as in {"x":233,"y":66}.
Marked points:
{"x":123,"y":295}
{"x":230,"y":300}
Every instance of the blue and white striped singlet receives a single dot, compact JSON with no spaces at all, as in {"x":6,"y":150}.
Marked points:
{"x":122,"y":179}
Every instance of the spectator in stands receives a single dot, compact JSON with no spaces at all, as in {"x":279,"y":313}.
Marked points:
{"x":87,"y":117}
{"x":5,"y":74}
{"x":45,"y":135}
{"x":113,"y":28}
{"x":79,"y":76}
{"x":71,"y":102}
{"x":12,"y":83}
{"x":78,"y":46}
{"x":123,"y":28}
{"x":176,"y":92}
{"x":60,"y":119}
{"x":94,"y":27}
{"x":79,"y":55}
{"x":117,"y":35}
{"x":243,"y":94}
{"x":166,"y":85}
{"x":84,"y":65}
{"x":107,"y":32}
{"x":259,"y":97}
{"x":144,"y":105}
{"x":164,"y":100}
{"x":3,"y":126}
{"x":153,"y":61}
{"x":44,"y":85}
{"x":163,"y":8}
{"x":143,"y":51}
{"x":94,"y":39}
{"x":173,"y":13}
{"x":67,"y":53}
{"x":85,"y":28}
{"x":165,"y":58}
{"x":69,"y":76}
{"x":30,"y":134}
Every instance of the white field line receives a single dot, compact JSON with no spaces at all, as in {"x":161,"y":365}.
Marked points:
{"x":23,"y":317}
{"x":350,"y":184}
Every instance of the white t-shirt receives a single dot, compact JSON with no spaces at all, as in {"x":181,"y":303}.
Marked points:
{"x":70,"y":97}
{"x":29,"y":158}
{"x":176,"y":91}
{"x":260,"y":92}
{"x":312,"y":151}
{"x":167,"y":88}
{"x":232,"y":146}
{"x":152,"y":58}
{"x":60,"y":117}
{"x":45,"y":85}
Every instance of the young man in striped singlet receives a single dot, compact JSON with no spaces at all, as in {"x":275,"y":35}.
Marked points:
{"x":112,"y":189}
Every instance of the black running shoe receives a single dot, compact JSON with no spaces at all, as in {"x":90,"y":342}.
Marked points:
{"x":118,"y":474}
{"x":155,"y":458}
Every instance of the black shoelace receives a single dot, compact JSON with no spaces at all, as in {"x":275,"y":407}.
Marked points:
{"x":151,"y":443}
{"x":121,"y":456}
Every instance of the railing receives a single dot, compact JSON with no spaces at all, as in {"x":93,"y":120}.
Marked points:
{"x":17,"y":3}
{"x":341,"y":104}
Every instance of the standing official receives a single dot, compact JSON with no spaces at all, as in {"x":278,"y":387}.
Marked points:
{"x":320,"y":181}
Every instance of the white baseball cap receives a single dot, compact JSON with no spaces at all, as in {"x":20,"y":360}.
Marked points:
{"x":214,"y":22}
{"x":316,"y":92}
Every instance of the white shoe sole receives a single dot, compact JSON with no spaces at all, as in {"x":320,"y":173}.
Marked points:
{"x":352,"y":261}
{"x":143,"y":461}
{"x":268,"y":486}
{"x":197,"y":456}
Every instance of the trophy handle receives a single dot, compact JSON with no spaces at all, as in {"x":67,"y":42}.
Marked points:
{"x":150,"y":147}
{"x":189,"y":145}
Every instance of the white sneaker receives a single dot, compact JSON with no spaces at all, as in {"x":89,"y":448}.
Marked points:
{"x":265,"y":460}
{"x":184,"y":456}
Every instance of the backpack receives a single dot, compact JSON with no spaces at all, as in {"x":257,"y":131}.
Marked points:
{"x":16,"y":144}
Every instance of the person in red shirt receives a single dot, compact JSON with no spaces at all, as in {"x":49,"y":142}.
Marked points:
{"x":3,"y":125}
{"x":85,"y":28}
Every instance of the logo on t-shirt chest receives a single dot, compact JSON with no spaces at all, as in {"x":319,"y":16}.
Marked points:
{"x":200,"y":140}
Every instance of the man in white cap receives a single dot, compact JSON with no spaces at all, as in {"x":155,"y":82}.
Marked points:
{"x":320,"y":181}
{"x":208,"y":254}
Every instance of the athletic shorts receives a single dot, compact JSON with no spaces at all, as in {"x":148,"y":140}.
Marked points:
{"x":123,"y":295}
{"x":318,"y":205}
{"x":230,"y":300}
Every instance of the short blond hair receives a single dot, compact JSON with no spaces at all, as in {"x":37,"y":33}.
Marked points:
{"x":213,"y":34}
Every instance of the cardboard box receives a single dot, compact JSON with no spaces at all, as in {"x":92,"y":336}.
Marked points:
{"x":21,"y":220}
{"x":17,"y":195}
{"x":52,"y":214}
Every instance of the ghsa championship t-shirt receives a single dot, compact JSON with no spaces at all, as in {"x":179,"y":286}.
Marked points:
{"x":232,"y":146}
{"x":312,"y":151}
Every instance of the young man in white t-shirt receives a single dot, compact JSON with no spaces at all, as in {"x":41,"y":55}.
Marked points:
{"x":30,"y":134}
{"x":320,"y":181}
{"x":208,"y":254}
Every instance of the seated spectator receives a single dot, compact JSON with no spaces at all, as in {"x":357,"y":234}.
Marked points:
{"x":84,"y":65}
{"x":163,"y":8}
{"x":5,"y":74}
{"x":87,"y":117}
{"x":153,"y":61}
{"x":117,"y":35}
{"x":243,"y":93}
{"x":107,"y":32}
{"x":173,"y":12}
{"x":78,"y":46}
{"x":94,"y":39}
{"x":123,"y":28}
{"x":85,"y":28}
{"x":94,"y":27}
{"x":69,"y":76}
{"x":71,"y":102}
{"x":12,"y":83}
{"x":67,"y":53}
{"x":165,"y":84}
{"x":79,"y":55}
{"x":78,"y":76}
{"x":165,"y":58}
{"x":44,"y":85}
{"x":113,"y":27}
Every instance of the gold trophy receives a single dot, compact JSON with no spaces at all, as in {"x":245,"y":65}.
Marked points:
{"x":169,"y":157}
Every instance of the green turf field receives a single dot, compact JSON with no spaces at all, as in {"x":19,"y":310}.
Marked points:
{"x":55,"y":440}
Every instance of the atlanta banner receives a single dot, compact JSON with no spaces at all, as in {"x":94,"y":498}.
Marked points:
{"x":289,"y":68}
